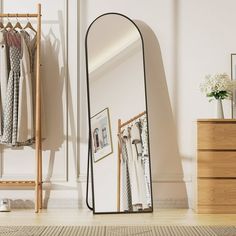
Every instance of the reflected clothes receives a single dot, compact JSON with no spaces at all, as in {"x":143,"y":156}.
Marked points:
{"x":126,"y":185}
{"x":135,"y":136}
{"x":17,"y":110}
{"x":132,"y":168}
{"x":145,"y":158}
{"x":135,"y":142}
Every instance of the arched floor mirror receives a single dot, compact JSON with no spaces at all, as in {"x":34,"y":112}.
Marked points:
{"x":118,"y":116}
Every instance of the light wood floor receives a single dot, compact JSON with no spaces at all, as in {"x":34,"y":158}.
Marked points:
{"x":85,"y":217}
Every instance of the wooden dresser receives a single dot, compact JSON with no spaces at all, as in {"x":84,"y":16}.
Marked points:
{"x":216,"y":161}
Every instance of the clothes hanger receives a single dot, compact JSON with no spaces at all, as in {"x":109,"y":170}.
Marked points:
{"x":29,"y":25}
{"x":9,"y":24}
{"x":17,"y":25}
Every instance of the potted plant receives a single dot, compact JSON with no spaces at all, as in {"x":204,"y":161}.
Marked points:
{"x":218,"y":87}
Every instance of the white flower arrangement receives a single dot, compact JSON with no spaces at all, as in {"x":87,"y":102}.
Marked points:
{"x":218,"y":86}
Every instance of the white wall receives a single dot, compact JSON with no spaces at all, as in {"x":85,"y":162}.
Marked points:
{"x":195,"y":38}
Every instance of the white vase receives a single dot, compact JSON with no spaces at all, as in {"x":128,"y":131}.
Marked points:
{"x":220,"y":112}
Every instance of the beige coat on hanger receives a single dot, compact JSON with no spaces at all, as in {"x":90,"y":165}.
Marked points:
{"x":26,"y":108}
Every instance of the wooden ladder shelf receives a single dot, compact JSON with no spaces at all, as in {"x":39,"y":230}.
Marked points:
{"x":37,"y":183}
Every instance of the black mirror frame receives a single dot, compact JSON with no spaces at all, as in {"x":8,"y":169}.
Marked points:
{"x":90,"y":159}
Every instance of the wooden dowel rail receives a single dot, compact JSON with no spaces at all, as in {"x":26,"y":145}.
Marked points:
{"x":132,"y":119}
{"x":18,"y":15}
{"x":18,"y":183}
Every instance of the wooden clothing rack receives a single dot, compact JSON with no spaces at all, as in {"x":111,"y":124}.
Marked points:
{"x":37,"y":183}
{"x":120,"y":126}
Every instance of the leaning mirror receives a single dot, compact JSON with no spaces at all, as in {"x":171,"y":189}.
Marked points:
{"x":118,"y":119}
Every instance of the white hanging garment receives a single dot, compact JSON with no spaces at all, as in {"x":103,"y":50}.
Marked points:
{"x":126,"y":196}
{"x":132,"y":168}
{"x":25,"y":107}
{"x":145,"y":159}
{"x":4,"y":69}
{"x":137,"y":156}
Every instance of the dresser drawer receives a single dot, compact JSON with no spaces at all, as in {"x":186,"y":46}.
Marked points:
{"x":217,"y":136}
{"x":216,"y":164}
{"x":216,"y":192}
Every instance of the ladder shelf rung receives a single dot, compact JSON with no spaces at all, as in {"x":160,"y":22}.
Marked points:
{"x":17,"y":183}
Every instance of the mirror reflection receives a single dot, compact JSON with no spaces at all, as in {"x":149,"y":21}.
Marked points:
{"x":118,"y":118}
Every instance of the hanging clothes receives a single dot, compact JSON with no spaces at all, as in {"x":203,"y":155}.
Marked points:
{"x":135,"y":158}
{"x":132,"y":168}
{"x":17,"y":89}
{"x":4,"y":65}
{"x":126,"y":184}
{"x":145,"y":159}
{"x":25,"y":132}
{"x":11,"y":104}
{"x":32,"y":45}
{"x":135,"y":136}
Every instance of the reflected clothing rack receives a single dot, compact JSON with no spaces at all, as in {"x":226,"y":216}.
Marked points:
{"x":37,"y":183}
{"x":120,"y":126}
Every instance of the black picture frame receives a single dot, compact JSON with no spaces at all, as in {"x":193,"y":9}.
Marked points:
{"x":105,"y":114}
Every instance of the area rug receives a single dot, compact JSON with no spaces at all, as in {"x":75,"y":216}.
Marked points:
{"x":117,"y":230}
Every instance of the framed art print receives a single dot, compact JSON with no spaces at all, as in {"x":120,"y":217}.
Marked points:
{"x":101,"y":135}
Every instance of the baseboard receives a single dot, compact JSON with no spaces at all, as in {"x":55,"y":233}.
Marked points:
{"x":56,"y":178}
{"x":160,"y":178}
{"x":50,"y":204}
{"x":81,"y":204}
{"x":58,"y":201}
{"x":172,"y":178}
{"x":171,"y":203}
